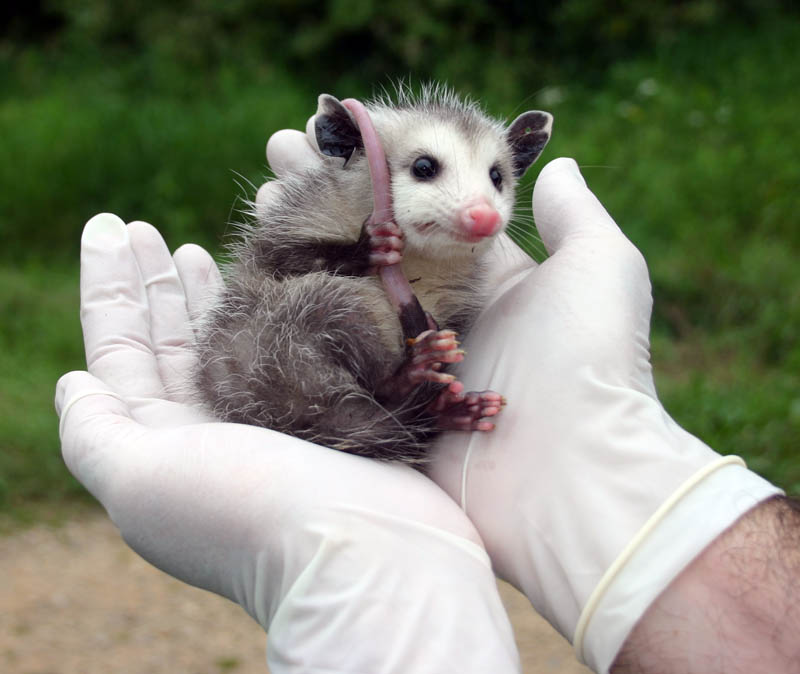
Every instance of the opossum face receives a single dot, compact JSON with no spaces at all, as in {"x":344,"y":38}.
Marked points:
{"x":453,"y":170}
{"x":453,"y":186}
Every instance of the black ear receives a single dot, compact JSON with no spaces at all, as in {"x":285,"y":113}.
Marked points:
{"x":336,"y":130}
{"x":527,"y":136}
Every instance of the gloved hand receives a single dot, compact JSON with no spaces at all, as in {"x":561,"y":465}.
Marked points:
{"x":352,"y":565}
{"x":589,"y":497}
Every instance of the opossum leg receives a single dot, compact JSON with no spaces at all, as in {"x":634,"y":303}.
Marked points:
{"x":432,"y":324}
{"x":427,"y":355}
{"x":342,"y":259}
{"x":459,"y":411}
{"x":379,"y":244}
{"x":300,"y":258}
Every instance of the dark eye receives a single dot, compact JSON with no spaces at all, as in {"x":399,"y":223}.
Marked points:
{"x":496,"y":177}
{"x":425,"y":168}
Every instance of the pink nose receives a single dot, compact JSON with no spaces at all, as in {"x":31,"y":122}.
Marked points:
{"x":481,"y":220}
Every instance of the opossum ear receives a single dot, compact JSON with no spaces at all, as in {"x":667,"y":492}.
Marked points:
{"x":336,"y":130}
{"x":527,"y":136}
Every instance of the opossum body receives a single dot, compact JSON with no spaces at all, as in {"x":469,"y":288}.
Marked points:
{"x":304,"y":340}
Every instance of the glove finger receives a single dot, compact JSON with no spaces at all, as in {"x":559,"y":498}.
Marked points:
{"x":605,"y":272}
{"x":171,"y":336}
{"x":115,"y":314}
{"x":311,"y":134}
{"x":269,"y":192}
{"x":93,"y":418}
{"x":200,"y":277}
{"x":563,"y":206}
{"x":290,"y":151}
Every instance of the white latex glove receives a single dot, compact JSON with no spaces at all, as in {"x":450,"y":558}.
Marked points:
{"x":589,"y":497}
{"x":352,"y":565}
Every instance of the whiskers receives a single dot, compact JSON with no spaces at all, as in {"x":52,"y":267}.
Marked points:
{"x":527,"y":238}
{"x":522,"y":229}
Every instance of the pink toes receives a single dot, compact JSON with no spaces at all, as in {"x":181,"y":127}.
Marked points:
{"x":454,"y":409}
{"x":427,"y":355}
{"x":459,"y":411}
{"x":429,"y":352}
{"x":386,"y":243}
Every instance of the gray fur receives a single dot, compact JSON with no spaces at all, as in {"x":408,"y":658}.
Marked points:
{"x":302,"y":338}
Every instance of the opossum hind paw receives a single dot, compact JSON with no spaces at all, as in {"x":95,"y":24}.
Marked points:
{"x":429,"y":352}
{"x":459,"y":411}
{"x":424,"y":363}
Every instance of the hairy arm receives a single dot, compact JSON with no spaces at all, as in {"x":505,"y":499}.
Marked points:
{"x":736,"y":608}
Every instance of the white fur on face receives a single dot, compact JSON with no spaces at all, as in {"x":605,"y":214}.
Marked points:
{"x":430,"y":211}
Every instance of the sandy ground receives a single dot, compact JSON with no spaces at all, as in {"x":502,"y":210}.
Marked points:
{"x":76,"y":600}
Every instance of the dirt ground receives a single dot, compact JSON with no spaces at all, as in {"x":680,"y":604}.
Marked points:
{"x":76,"y":600}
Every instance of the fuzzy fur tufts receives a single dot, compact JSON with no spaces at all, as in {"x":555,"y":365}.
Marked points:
{"x":303,"y":337}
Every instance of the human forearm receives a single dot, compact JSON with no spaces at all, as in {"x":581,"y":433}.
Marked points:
{"x":736,"y":608}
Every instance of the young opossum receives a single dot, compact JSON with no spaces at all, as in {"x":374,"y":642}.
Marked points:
{"x":304,"y":339}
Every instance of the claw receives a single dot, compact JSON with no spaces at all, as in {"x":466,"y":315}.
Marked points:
{"x":386,"y":243}
{"x":460,"y":411}
{"x":428,"y":354}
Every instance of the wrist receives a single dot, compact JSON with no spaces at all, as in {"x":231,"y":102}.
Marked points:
{"x":697,"y":512}
{"x":558,"y":508}
{"x":733,"y":609}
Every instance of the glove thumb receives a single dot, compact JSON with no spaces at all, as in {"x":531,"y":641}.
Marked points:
{"x":93,"y":419}
{"x":564,"y":207}
{"x":290,"y":151}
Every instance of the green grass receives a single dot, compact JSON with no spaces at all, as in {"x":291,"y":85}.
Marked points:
{"x":100,"y":139}
{"x":693,"y":150}
{"x":40,"y":341}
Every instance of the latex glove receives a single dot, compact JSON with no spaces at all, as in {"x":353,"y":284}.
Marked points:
{"x":352,"y":565}
{"x":589,"y":497}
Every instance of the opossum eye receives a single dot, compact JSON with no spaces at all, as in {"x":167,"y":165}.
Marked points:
{"x":425,"y":168}
{"x":496,"y":177}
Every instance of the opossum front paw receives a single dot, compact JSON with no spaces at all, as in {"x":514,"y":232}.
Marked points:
{"x":386,"y":243}
{"x":459,"y":411}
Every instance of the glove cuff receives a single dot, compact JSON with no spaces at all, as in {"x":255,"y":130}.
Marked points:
{"x":702,"y":508}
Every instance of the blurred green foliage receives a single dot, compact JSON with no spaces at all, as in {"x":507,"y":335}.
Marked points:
{"x":101,"y":143}
{"x":681,"y":114}
{"x":364,"y":39}
{"x":39,"y":340}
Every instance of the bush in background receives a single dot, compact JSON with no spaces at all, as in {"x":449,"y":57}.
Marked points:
{"x":682,"y":116}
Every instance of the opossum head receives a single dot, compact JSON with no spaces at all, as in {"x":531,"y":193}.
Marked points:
{"x":453,"y":169}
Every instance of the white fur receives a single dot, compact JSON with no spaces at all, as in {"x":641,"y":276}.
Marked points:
{"x":272,"y":351}
{"x":462,"y":181}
